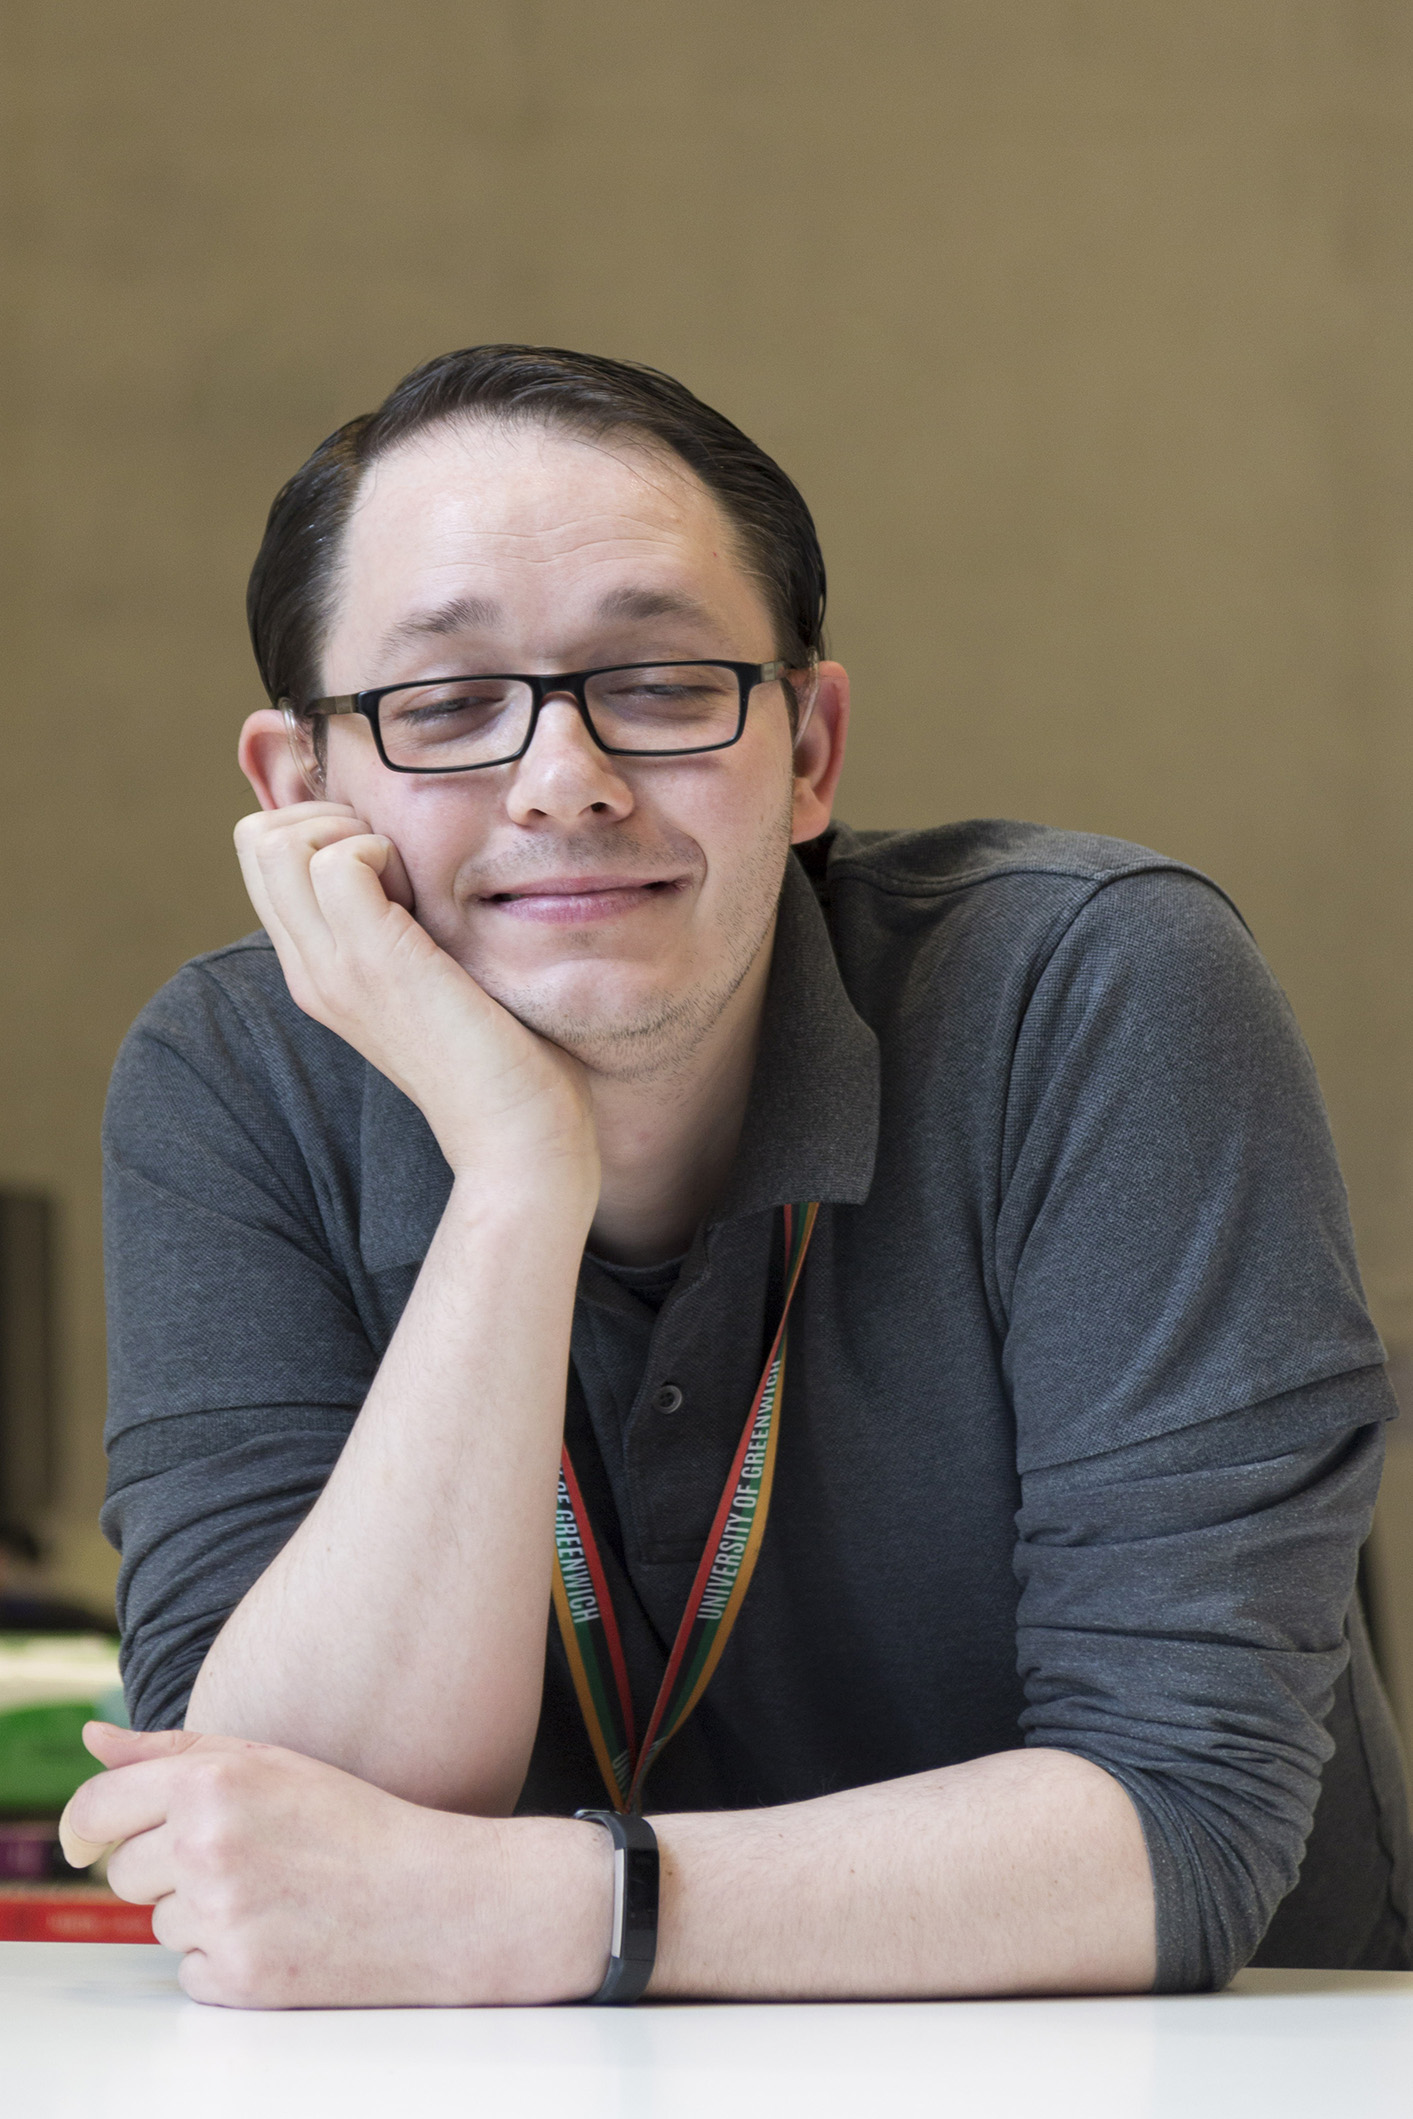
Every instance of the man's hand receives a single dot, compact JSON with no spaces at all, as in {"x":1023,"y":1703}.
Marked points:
{"x":290,"y":1884}
{"x":334,"y":899}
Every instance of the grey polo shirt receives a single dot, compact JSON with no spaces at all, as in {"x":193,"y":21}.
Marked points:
{"x":1084,"y":1410}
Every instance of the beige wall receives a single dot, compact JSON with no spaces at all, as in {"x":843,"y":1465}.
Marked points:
{"x":1084,"y":326}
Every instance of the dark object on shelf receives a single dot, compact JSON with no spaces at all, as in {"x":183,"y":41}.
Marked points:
{"x":30,"y":1852}
{"x":27,"y":1425}
{"x":34,"y":1614}
{"x":24,"y":1611}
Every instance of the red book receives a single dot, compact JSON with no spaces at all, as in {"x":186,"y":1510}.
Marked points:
{"x":70,"y":1913}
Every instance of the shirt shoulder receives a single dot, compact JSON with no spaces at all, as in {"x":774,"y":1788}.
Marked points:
{"x":235,"y":993}
{"x":222,"y":1051}
{"x":971,"y":916}
{"x":242,"y":978}
{"x":1087,"y":1061}
{"x":944,"y":860}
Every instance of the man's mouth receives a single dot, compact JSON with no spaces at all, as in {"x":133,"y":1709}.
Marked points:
{"x":570,"y":900}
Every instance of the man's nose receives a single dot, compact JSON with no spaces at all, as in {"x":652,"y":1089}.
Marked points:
{"x":564,"y":773}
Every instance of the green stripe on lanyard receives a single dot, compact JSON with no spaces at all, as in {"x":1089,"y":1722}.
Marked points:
{"x":587,"y":1623}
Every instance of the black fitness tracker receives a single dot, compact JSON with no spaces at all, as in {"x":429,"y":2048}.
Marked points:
{"x":634,"y":1944}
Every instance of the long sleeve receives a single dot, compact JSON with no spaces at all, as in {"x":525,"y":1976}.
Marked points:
{"x":243,"y":1334}
{"x":1199,"y":1398}
{"x":1183,"y":1623}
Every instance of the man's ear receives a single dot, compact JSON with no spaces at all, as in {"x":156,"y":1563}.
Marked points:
{"x":819,"y":751}
{"x":268,"y":760}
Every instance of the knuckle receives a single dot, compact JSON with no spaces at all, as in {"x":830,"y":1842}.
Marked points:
{"x":209,"y":1829}
{"x":270,"y":848}
{"x":202,"y":1848}
{"x":211,"y":1774}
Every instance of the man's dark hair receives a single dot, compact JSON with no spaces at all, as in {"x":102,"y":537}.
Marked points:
{"x":292,"y":582}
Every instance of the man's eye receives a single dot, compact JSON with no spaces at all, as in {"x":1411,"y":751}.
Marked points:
{"x":426,"y":709}
{"x":657,"y":694}
{"x":423,"y":711}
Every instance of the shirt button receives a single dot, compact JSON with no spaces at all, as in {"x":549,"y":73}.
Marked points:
{"x":666,"y":1398}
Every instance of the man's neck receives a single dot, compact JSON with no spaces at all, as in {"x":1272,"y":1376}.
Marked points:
{"x":666,"y":1143}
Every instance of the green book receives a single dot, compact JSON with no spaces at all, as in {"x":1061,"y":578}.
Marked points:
{"x":50,"y":1685}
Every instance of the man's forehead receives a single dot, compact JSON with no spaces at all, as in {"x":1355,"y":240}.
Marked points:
{"x":531,"y":487}
{"x":464,"y":529}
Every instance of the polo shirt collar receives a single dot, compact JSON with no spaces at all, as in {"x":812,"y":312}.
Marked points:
{"x":811,"y":1124}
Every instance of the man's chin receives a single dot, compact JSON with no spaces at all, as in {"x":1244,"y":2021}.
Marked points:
{"x":612,"y":1031}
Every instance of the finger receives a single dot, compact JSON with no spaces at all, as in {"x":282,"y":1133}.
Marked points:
{"x":81,"y":1853}
{"x":397,"y":883}
{"x":366,"y":931}
{"x":287,"y":864}
{"x":143,"y":1869}
{"x":126,"y":1747}
{"x":275,"y":852}
{"x":377,"y":942}
{"x":306,"y":818}
{"x":358,"y":883}
{"x":263,"y":840}
{"x":173,"y":1925}
{"x":254,"y":840}
{"x":115,"y":1805}
{"x":113,"y":1747}
{"x":252,"y":828}
{"x":196,"y":1978}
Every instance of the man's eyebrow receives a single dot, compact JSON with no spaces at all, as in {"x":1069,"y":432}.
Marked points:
{"x":464,"y":614}
{"x":654,"y":603}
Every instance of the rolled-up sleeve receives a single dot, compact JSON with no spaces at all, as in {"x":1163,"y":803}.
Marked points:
{"x":1181,"y":1623}
{"x":1199,"y":1398}
{"x":238,"y":1351}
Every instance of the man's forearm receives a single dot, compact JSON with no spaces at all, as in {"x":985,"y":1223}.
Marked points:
{"x":1025,"y":1872}
{"x":400,"y":1632}
{"x":1022,"y":1873}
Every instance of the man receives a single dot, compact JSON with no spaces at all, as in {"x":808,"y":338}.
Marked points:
{"x":996,"y":1637}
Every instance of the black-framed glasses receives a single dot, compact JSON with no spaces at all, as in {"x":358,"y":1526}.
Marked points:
{"x":632,"y":710}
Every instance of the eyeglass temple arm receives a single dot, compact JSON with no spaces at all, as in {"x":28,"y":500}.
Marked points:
{"x":343,"y":703}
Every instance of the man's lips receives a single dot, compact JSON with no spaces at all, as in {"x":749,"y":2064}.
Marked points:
{"x":564,"y":900}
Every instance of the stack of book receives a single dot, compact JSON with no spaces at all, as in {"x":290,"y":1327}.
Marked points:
{"x":50,"y":1685}
{"x":43,"y":1900}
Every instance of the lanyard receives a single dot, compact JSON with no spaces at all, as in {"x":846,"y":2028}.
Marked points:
{"x":584,"y":1609}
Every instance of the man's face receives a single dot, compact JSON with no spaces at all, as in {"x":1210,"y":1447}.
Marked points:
{"x":613,"y":904}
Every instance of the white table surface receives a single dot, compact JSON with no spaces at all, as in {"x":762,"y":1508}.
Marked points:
{"x":102,"y":2029}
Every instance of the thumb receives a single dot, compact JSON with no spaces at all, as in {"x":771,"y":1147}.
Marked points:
{"x":113,"y":1746}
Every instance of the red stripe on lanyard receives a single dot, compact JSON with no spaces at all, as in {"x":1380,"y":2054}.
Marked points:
{"x":607,"y":1615}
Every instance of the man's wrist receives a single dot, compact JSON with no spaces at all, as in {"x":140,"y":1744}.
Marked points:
{"x":557,"y":1878}
{"x":556,"y":1204}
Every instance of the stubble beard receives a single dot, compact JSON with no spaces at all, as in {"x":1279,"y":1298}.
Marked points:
{"x":657,"y":1039}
